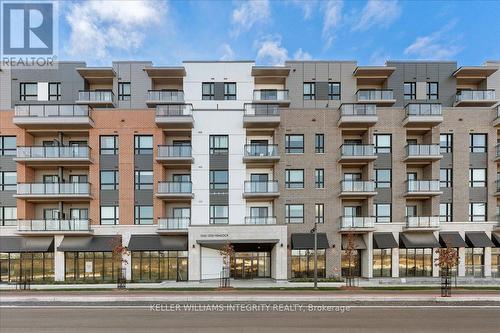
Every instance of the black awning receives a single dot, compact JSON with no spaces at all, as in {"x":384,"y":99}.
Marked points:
{"x":451,"y":239}
{"x":358,"y":242}
{"x":88,"y":244}
{"x":306,"y":241}
{"x":158,"y":243}
{"x":384,"y":240}
{"x":496,"y":239}
{"x":26,"y":244}
{"x":418,"y":240}
{"x":478,"y":239}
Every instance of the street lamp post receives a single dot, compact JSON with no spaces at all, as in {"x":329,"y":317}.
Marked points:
{"x":315,"y":230}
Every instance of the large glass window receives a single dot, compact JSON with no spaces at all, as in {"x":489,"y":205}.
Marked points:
{"x":319,"y":178}
{"x":477,"y":212}
{"x":124,"y":91}
{"x":219,"y":180}
{"x":110,"y":180}
{"x":294,"y":178}
{"x":155,"y":266}
{"x":319,"y":209}
{"x":477,"y":177}
{"x":34,"y":266}
{"x":92,"y":266}
{"x":219,"y":214}
{"x":446,"y":212}
{"x":108,"y":145}
{"x":294,"y":213}
{"x":478,"y":143}
{"x":415,"y":262}
{"x":446,"y":143}
{"x":110,"y":215}
{"x":143,"y":144}
{"x":382,"y":213}
{"x":8,"y":215}
{"x":294,"y":144}
{"x":432,"y":90}
{"x":495,"y":262}
{"x":410,"y":90}
{"x":382,"y":143}
{"x":143,"y":180}
{"x":303,"y":264}
{"x":208,"y":91}
{"x":382,"y":178}
{"x":143,"y":215}
{"x":319,"y":144}
{"x":474,"y":262}
{"x":309,"y":90}
{"x":54,"y":91}
{"x":334,"y":91}
{"x":350,"y":265}
{"x":8,"y":180}
{"x":219,"y":144}
{"x":28,"y":91}
{"x":7,"y":145}
{"x":230,"y":91}
{"x":382,"y":262}
{"x":445,"y":177}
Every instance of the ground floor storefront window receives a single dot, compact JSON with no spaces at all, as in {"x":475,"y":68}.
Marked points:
{"x":495,"y":262}
{"x":249,"y":265}
{"x":92,"y":266}
{"x":303,"y":263}
{"x":474,"y":261}
{"x":351,"y":265}
{"x":382,"y":262}
{"x":33,"y":266}
{"x":154,"y":266}
{"x":415,"y":262}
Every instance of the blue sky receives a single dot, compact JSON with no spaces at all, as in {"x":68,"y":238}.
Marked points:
{"x":168,"y":32}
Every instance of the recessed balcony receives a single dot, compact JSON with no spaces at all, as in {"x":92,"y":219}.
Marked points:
{"x":53,"y":227}
{"x":156,"y":97}
{"x":258,"y":154}
{"x":422,"y":188}
{"x":175,"y":190}
{"x":380,"y":97}
{"x":174,"y":116}
{"x":261,"y":190}
{"x":422,"y":153}
{"x":483,"y":98}
{"x":422,"y":223}
{"x":357,"y":223}
{"x":175,"y":155}
{"x":497,"y":188}
{"x":40,"y":116}
{"x":357,"y":154}
{"x":423,"y":114}
{"x":260,"y":220}
{"x":496,"y":122}
{"x":173,"y":225}
{"x":261,"y":116}
{"x":41,"y":155}
{"x":355,"y":115}
{"x":357,"y":188}
{"x":271,"y":96}
{"x":96,"y":98}
{"x":53,"y":191}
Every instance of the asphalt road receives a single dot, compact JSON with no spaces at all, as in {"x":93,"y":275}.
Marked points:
{"x":359,"y":318}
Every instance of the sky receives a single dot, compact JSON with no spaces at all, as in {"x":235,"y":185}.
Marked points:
{"x":271,"y":32}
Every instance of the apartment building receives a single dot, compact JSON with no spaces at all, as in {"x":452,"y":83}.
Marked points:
{"x":176,"y":162}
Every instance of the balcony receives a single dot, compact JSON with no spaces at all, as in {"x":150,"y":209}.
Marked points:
{"x":156,"y":97}
{"x":174,"y":116}
{"x":380,"y":97}
{"x":96,"y":98}
{"x":357,"y":223}
{"x":357,"y":188}
{"x":40,"y":155}
{"x":497,"y":188}
{"x":52,"y":116}
{"x":260,"y":220}
{"x":496,"y":122}
{"x":497,"y":154}
{"x":271,"y":96}
{"x":422,"y":153}
{"x":421,"y":223}
{"x":175,"y":155}
{"x":54,"y":227}
{"x":354,"y":115}
{"x":175,"y":190}
{"x":261,"y":190}
{"x":53,"y":191}
{"x":423,"y":114}
{"x":357,"y":154}
{"x":257,"y":154}
{"x":173,"y":225}
{"x":261,"y":116}
{"x":422,"y":188}
{"x":483,"y":98}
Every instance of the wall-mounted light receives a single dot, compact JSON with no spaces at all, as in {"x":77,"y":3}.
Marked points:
{"x":194,"y":246}
{"x":281,"y":244}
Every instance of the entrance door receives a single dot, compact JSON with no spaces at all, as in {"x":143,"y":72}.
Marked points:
{"x":351,"y":265}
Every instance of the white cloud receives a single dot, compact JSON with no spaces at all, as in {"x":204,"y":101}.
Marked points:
{"x":302,"y":55}
{"x":227,"y":52}
{"x":99,"y":27}
{"x":378,"y":13}
{"x":249,"y":14}
{"x":437,"y":45}
{"x":271,"y":52}
{"x":307,"y":7}
{"x":331,"y":20}
{"x":378,"y":57}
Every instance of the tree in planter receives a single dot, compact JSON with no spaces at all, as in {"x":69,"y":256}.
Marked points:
{"x":349,"y":253}
{"x":446,"y":260}
{"x":227,"y":252}
{"x":118,"y":253}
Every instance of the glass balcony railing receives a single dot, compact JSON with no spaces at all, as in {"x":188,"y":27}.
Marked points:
{"x":358,"y":185}
{"x":422,"y":221}
{"x":422,"y":150}
{"x":423,"y":109}
{"x":260,"y":220}
{"x":174,"y":110}
{"x":358,"y":110}
{"x":53,"y":225}
{"x":422,"y":186}
{"x":175,"y":187}
{"x":53,"y":189}
{"x":374,"y":95}
{"x":262,"y":110}
{"x":348,"y":150}
{"x":261,"y":187}
{"x":497,"y":182}
{"x":41,"y":152}
{"x":96,"y":96}
{"x":476,"y":95}
{"x":350,"y":222}
{"x":52,"y":111}
{"x":174,"y":223}
{"x":166,"y":95}
{"x":270,"y":95}
{"x":174,"y":151}
{"x":257,"y":150}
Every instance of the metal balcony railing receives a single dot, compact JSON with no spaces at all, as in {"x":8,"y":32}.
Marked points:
{"x":53,"y":225}
{"x":262,"y":110}
{"x":270,"y":95}
{"x":350,"y":222}
{"x":175,"y":187}
{"x":261,"y":187}
{"x":374,"y":94}
{"x":358,"y":109}
{"x":165,"y":151}
{"x":422,"y":221}
{"x":423,"y":109}
{"x":41,"y":152}
{"x":422,"y":185}
{"x":52,"y":111}
{"x":357,"y":150}
{"x":358,"y":185}
{"x":174,"y":223}
{"x":53,"y":189}
{"x":257,"y":150}
{"x":476,"y":95}
{"x":96,"y":96}
{"x":166,"y":95}
{"x":422,"y":150}
{"x":260,"y":220}
{"x":174,"y":110}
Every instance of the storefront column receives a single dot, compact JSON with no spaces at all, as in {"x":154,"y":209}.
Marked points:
{"x":194,"y":261}
{"x":487,"y":261}
{"x":279,"y":261}
{"x":461,"y":261}
{"x":367,"y":257}
{"x":58,"y":259}
{"x":127,"y":258}
{"x":435,"y":268}
{"x":395,"y":262}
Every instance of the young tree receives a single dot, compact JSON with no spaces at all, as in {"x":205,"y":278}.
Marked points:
{"x":446,"y":260}
{"x":227,"y":252}
{"x":119,"y":251}
{"x":349,"y":254}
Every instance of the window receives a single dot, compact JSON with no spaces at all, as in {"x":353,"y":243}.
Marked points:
{"x":105,"y":266}
{"x":319,"y":208}
{"x":8,"y":180}
{"x":230,"y":91}
{"x":319,"y":144}
{"x":445,"y":177}
{"x":382,"y":262}
{"x":219,"y":214}
{"x":411,"y":211}
{"x":319,"y":178}
{"x":382,"y":143}
{"x":478,"y":143}
{"x":143,"y":144}
{"x":219,"y":144}
{"x":303,"y":263}
{"x":445,"y":212}
{"x":294,"y":144}
{"x":208,"y":91}
{"x":108,"y":145}
{"x":432,"y":90}
{"x":410,"y":89}
{"x":219,"y":180}
{"x":382,"y":212}
{"x":309,"y":91}
{"x":294,"y":178}
{"x":78,"y":179}
{"x":35,"y":266}
{"x":294,"y":213}
{"x":477,"y":212}
{"x":110,"y":179}
{"x":477,"y":177}
{"x":110,"y":215}
{"x":415,"y":262}
{"x":446,"y":143}
{"x":474,"y":261}
{"x":7,"y":145}
{"x":382,"y":178}
{"x":8,"y":216}
{"x":54,"y":91}
{"x":28,"y":91}
{"x":143,"y":215}
{"x":158,"y":266}
{"x":334,"y":91}
{"x":124,"y":91}
{"x":144,"y":180}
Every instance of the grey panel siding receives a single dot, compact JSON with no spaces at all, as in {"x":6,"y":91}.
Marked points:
{"x":478,"y":160}
{"x":140,"y":82}
{"x":108,"y":162}
{"x":7,"y":163}
{"x":219,"y":162}
{"x":7,"y":198}
{"x":218,"y":198}
{"x":143,"y":162}
{"x":383,"y":161}
{"x":219,"y":91}
{"x":322,"y":90}
{"x":447,"y":196}
{"x":478,"y":194}
{"x":446,"y":161}
{"x":384,"y":195}
{"x":108,"y":197}
{"x":143,"y":197}
{"x":5,"y":91}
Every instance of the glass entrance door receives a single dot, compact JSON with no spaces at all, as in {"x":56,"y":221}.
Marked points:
{"x":249,"y":265}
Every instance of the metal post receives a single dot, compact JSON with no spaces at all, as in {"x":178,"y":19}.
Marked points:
{"x":315,"y":256}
